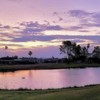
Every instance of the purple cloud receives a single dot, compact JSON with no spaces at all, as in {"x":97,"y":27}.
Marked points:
{"x":79,"y":13}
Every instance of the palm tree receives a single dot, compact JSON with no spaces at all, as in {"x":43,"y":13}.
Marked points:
{"x":6,"y":48}
{"x":30,"y":53}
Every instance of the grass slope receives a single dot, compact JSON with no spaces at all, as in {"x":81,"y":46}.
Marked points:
{"x":86,"y":93}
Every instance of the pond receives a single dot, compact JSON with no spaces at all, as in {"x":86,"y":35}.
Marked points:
{"x":44,"y":79}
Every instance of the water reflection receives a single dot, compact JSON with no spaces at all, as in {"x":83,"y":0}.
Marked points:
{"x":44,"y":79}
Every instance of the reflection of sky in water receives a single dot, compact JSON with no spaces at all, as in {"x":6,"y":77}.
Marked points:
{"x":43,"y":79}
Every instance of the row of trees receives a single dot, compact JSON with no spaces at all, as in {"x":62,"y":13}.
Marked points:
{"x":76,"y":52}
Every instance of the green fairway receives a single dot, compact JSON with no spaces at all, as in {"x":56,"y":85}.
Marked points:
{"x":86,"y":93}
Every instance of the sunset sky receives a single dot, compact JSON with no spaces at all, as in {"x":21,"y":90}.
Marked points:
{"x":42,"y":25}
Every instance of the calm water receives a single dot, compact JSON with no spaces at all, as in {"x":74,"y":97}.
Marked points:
{"x":44,"y":79}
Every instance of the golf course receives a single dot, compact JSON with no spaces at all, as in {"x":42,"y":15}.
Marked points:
{"x":82,"y":93}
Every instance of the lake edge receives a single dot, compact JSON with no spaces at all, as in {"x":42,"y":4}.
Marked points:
{"x":8,"y":68}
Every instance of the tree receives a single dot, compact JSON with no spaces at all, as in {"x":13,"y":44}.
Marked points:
{"x":85,"y":51}
{"x":96,"y":52}
{"x":30,"y":53}
{"x":67,"y":48}
{"x":74,"y":51}
{"x":6,"y":48}
{"x":71,"y":49}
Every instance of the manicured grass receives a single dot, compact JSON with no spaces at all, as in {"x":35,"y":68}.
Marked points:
{"x":82,"y":65}
{"x":47,"y":66}
{"x":86,"y":93}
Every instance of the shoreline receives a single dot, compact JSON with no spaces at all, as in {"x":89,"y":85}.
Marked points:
{"x":47,"y":66}
{"x":73,"y":87}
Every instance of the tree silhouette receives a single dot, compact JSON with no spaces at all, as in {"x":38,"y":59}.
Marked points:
{"x":96,"y":52}
{"x":30,"y":53}
{"x":74,"y":51}
{"x":6,"y":48}
{"x":66,"y":48}
{"x":70,"y":49}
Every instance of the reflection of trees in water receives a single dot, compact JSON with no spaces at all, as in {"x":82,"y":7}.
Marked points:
{"x":33,"y":79}
{"x":30,"y":81}
{"x":30,"y":74}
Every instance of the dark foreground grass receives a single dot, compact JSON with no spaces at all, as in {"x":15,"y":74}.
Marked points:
{"x":47,"y":66}
{"x":86,"y":93}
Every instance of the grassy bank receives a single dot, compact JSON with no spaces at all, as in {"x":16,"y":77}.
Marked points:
{"x":46,"y":66}
{"x":86,"y":93}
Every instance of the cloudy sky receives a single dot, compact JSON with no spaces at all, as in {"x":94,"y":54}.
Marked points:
{"x":42,"y":25}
